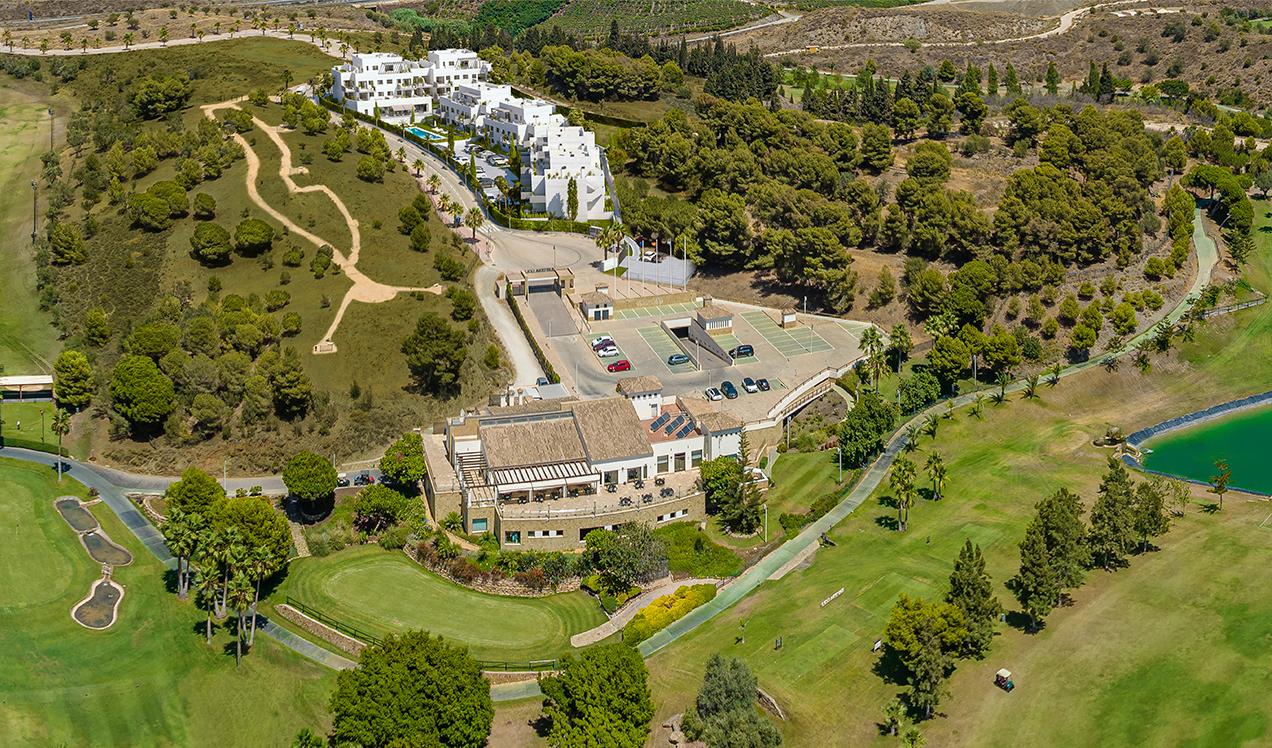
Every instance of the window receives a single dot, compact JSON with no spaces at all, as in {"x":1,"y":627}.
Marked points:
{"x":479,"y":525}
{"x":512,"y":537}
{"x":610,"y":476}
{"x":663,"y":463}
{"x":545,"y":533}
{"x":680,"y":461}
{"x":695,"y":458}
{"x":673,"y":515}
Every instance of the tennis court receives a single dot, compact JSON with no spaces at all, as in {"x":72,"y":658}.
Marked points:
{"x":663,"y":310}
{"x":664,"y":346}
{"x":789,"y":343}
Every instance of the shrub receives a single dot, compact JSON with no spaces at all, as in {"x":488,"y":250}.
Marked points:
{"x":394,"y":538}
{"x":663,"y":611}
{"x":691,"y":552}
{"x":448,"y":266}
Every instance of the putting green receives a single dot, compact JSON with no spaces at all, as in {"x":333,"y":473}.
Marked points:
{"x":382,"y":592}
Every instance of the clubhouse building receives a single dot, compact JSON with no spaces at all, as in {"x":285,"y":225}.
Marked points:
{"x":540,"y":475}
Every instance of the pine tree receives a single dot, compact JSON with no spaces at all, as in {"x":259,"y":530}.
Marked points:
{"x":927,"y":679}
{"x":1036,"y":586}
{"x":1112,"y":531}
{"x":991,"y":81}
{"x":1151,"y":519}
{"x":1060,"y":516}
{"x":972,"y":592}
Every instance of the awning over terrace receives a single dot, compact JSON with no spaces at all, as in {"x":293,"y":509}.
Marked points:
{"x":561,"y":471}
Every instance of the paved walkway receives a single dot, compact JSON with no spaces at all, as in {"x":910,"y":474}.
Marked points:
{"x":629,"y":611}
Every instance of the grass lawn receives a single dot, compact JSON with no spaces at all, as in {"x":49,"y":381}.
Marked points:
{"x":27,"y":340}
{"x":149,"y":679}
{"x":28,"y":415}
{"x":691,"y":552}
{"x":1165,"y":652}
{"x":384,"y":592}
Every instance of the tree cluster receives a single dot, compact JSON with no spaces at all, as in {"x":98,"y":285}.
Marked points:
{"x":600,"y":697}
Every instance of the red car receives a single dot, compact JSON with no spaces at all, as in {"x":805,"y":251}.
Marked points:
{"x":620,"y":365}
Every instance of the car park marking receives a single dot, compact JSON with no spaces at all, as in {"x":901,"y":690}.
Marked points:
{"x":605,"y":362}
{"x":729,"y":341}
{"x":789,"y":343}
{"x":662,"y":310}
{"x":663,"y":347}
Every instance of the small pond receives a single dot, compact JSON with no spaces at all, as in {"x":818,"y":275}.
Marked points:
{"x":1243,"y":438}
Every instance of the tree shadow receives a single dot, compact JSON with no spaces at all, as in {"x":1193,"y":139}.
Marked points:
{"x":170,"y":581}
{"x":889,"y":667}
{"x":541,"y":725}
{"x":1019,"y":620}
{"x":1211,"y":508}
{"x":309,"y":512}
{"x":887,"y":522}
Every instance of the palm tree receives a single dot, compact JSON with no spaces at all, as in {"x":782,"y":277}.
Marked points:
{"x":937,"y":471}
{"x":504,"y":188}
{"x":434,"y":181}
{"x":931,"y":425}
{"x":1055,"y":370}
{"x":128,"y":40}
{"x":1003,"y":380}
{"x":473,"y":219}
{"x":912,"y":438}
{"x":240,"y":597}
{"x":873,"y":346}
{"x":444,"y":204}
{"x":978,"y":406}
{"x":8,"y":39}
{"x":1031,"y":386}
{"x":181,"y":533}
{"x":228,"y":553}
{"x":61,"y":427}
{"x":260,"y":565}
{"x":206,"y":588}
{"x":900,"y":344}
{"x":902,"y":484}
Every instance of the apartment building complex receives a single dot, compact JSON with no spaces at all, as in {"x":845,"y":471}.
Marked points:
{"x":543,"y":474}
{"x":403,"y":90}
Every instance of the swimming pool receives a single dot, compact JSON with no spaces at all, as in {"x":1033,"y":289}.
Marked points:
{"x":422,"y":133}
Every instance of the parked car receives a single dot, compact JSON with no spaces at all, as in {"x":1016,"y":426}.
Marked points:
{"x":486,"y":182}
{"x":605,"y":344}
{"x":750,"y":386}
{"x":620,"y":365}
{"x":603,"y":340}
{"x":500,"y":161}
{"x":742,"y":351}
{"x":542,"y":382}
{"x":363,"y":479}
{"x":649,"y":255}
{"x":677,"y":358}
{"x":728,"y":389}
{"x":342,"y":480}
{"x":713,"y":394}
{"x":763,"y":384}
{"x":608,"y":351}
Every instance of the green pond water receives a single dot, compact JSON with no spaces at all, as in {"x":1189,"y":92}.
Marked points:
{"x":1244,"y":439}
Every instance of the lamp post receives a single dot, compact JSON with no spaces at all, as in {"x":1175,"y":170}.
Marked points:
{"x":35,"y":190}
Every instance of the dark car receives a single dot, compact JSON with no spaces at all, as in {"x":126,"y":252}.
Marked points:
{"x":742,"y":351}
{"x":363,"y":479}
{"x":728,"y":389}
{"x":620,"y":365}
{"x":763,"y":384}
{"x":677,"y":358}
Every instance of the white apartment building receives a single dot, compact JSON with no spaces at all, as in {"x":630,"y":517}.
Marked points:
{"x":448,"y":68}
{"x":469,"y":105}
{"x":564,"y":152}
{"x":514,"y":122}
{"x":403,"y":90}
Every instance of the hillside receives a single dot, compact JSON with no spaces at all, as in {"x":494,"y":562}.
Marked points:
{"x":593,"y":17}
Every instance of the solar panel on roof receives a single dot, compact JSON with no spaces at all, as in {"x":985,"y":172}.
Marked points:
{"x":684,"y":431}
{"x":674,"y":425}
{"x":658,"y":423}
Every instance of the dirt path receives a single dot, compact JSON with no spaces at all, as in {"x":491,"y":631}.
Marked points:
{"x":363,"y":289}
{"x":1064,"y":24}
{"x":328,"y":47}
{"x":629,"y":611}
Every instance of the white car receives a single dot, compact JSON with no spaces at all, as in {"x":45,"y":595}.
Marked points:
{"x":649,"y":255}
{"x":603,"y":339}
{"x":608,"y":352}
{"x":714,"y":394}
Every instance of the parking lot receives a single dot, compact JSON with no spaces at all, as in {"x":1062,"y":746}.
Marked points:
{"x":785,"y":357}
{"x":654,"y":312}
{"x":794,"y":342}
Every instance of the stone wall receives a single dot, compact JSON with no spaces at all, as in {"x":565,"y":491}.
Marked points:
{"x":321,"y":630}
{"x":506,"y":586}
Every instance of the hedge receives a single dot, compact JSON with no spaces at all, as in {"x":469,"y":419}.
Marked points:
{"x":539,"y":355}
{"x":662,"y":612}
{"x":609,"y":601}
{"x":38,"y":446}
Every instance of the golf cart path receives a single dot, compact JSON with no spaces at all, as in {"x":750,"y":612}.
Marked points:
{"x":363,"y":289}
{"x":626,"y":613}
{"x":1065,"y":23}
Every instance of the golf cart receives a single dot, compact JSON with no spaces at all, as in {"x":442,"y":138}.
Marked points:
{"x":1003,"y":680}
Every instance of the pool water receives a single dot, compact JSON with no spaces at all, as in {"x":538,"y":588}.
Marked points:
{"x":422,"y":133}
{"x":1244,"y":439}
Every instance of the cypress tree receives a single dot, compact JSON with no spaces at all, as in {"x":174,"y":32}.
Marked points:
{"x":927,"y":681}
{"x":1011,"y":81}
{"x":991,"y":81}
{"x":1052,"y":79}
{"x":972,"y":592}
